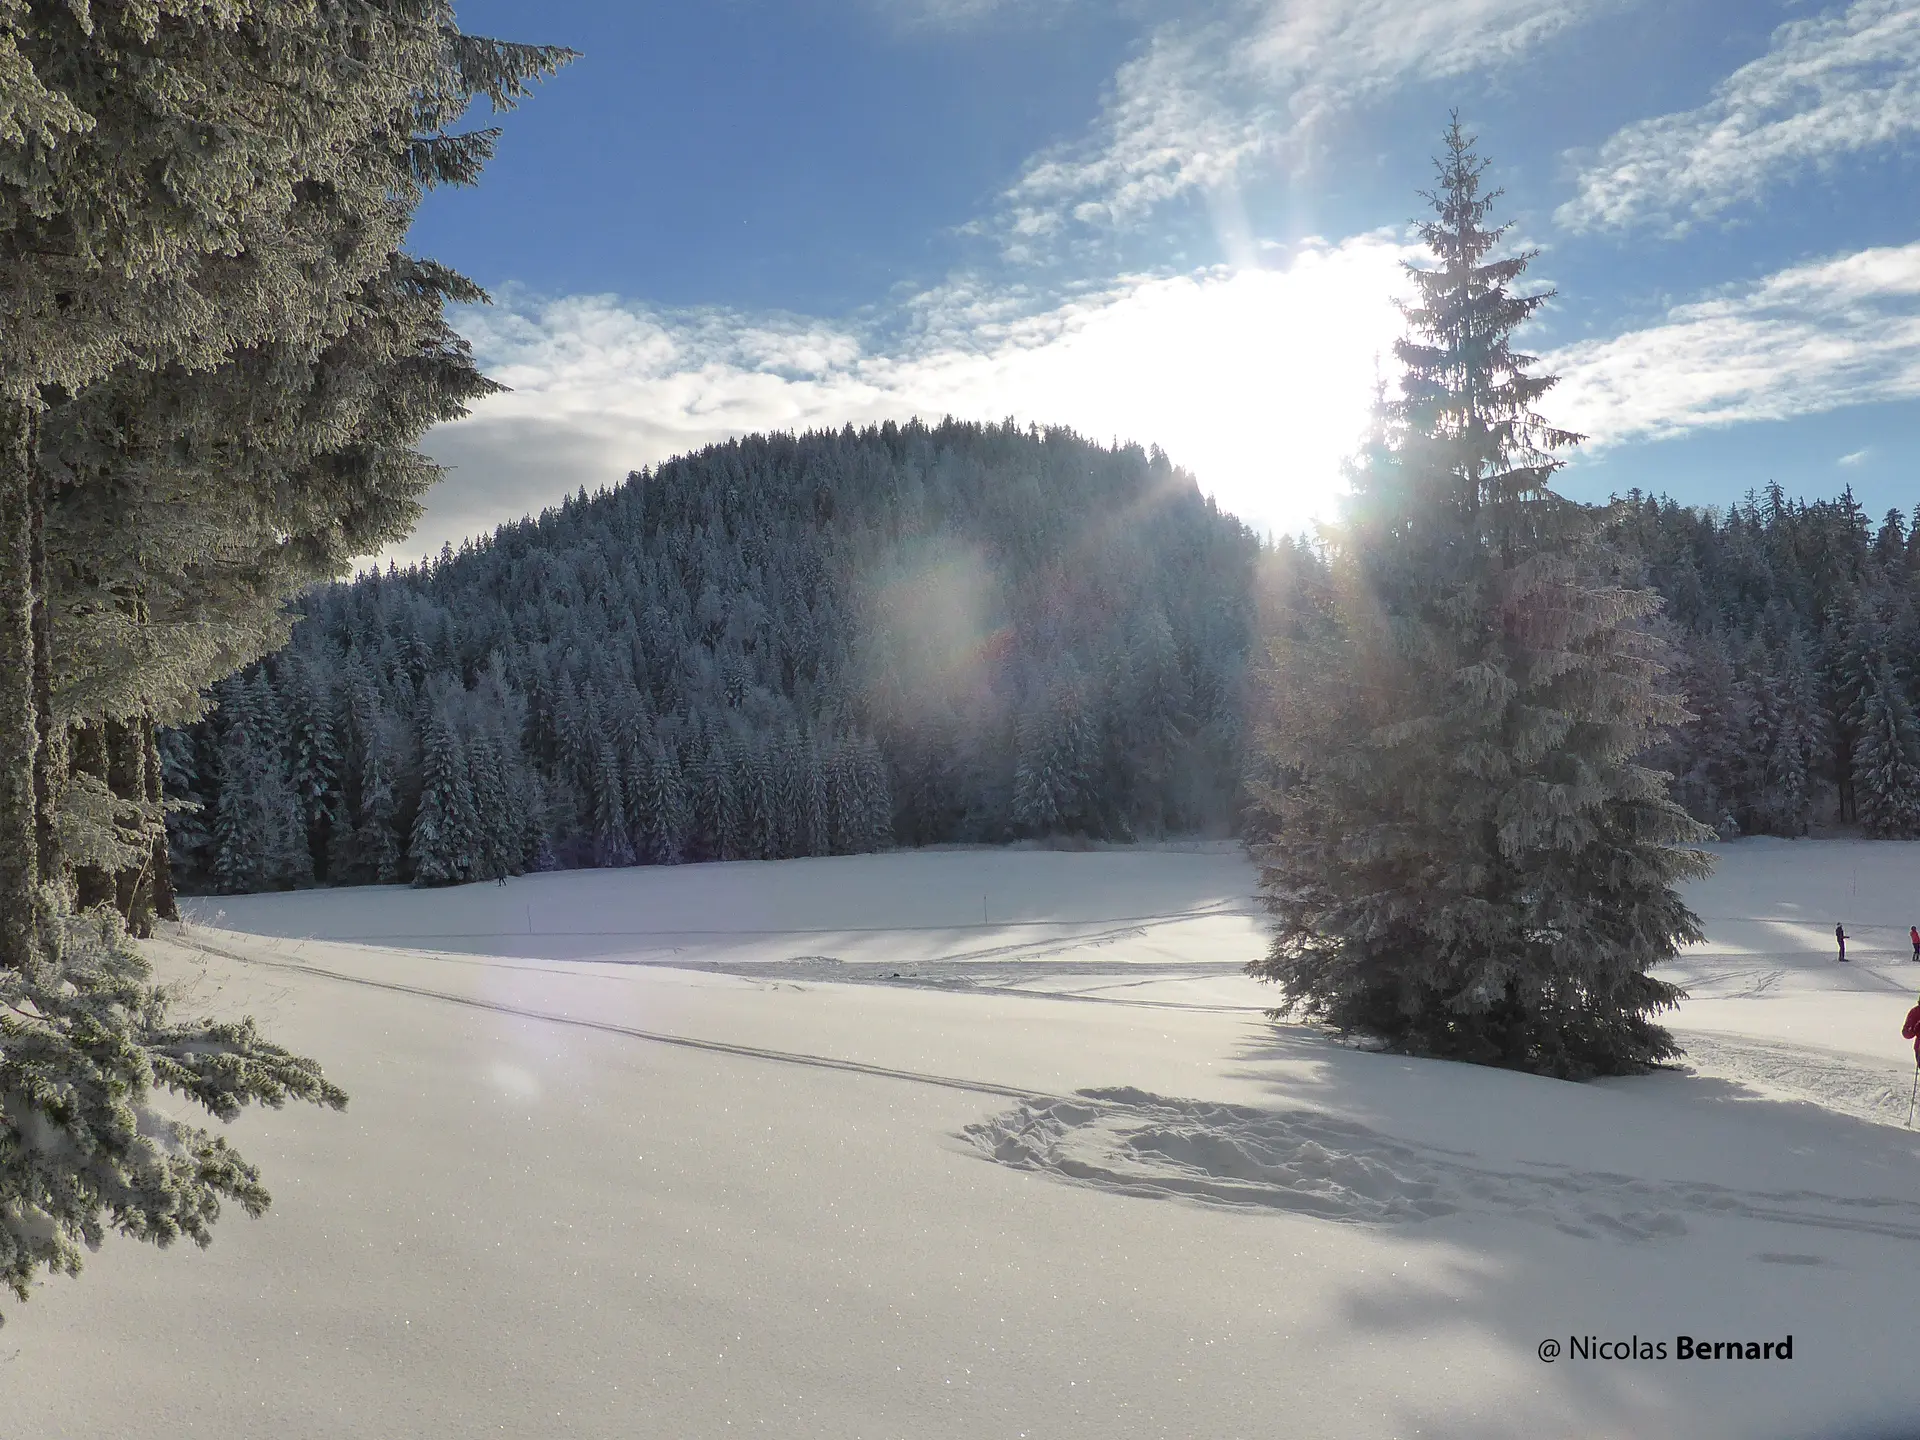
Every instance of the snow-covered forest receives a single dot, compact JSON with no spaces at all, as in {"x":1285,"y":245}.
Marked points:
{"x":1799,"y":657}
{"x":778,"y":647}
{"x":729,"y":658}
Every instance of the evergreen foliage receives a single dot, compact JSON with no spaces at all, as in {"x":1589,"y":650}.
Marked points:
{"x":214,"y":359}
{"x":1462,"y":854}
{"x":1887,"y":758}
{"x":780,"y":646}
{"x":1798,"y":627}
{"x":88,"y":1042}
{"x":178,"y":183}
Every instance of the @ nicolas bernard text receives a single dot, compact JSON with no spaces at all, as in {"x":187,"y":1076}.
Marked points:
{"x":1680,"y":1347}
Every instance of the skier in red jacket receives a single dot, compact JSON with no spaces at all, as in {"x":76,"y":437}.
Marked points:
{"x":1913,"y":934}
{"x":1911,"y":1030}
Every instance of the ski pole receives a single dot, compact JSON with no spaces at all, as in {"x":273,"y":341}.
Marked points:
{"x":1916,"y":1091}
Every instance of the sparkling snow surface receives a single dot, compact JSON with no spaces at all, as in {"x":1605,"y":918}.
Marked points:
{"x":981,"y":1143}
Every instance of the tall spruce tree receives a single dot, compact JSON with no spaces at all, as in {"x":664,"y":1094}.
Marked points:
{"x":1887,"y":758}
{"x":148,"y":216}
{"x":446,"y":844}
{"x":1465,"y":857}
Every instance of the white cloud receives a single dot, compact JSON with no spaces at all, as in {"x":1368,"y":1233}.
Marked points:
{"x":963,"y":14}
{"x":1812,"y":338}
{"x":1829,"y":86}
{"x":1856,"y":457}
{"x":1229,"y":83}
{"x":1257,"y":379}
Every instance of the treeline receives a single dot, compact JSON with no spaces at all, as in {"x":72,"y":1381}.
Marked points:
{"x":780,"y":646}
{"x":825,"y":644}
{"x":1798,"y":650}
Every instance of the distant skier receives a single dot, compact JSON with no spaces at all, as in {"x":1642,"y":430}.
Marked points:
{"x":1841,"y":935}
{"x":1913,"y":934}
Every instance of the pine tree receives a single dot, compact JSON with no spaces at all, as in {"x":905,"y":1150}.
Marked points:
{"x":1466,"y":858}
{"x":498,"y":850}
{"x":815,"y":832}
{"x":1856,"y":647}
{"x":259,"y":834}
{"x":611,"y":847}
{"x":313,"y":758}
{"x":846,"y":816}
{"x":238,"y":836}
{"x":875,"y":801}
{"x":1057,"y":758}
{"x":789,"y":762}
{"x":1796,"y":743}
{"x":762,"y":827}
{"x":667,"y":819}
{"x":1037,"y":787}
{"x":1887,"y":758}
{"x":1156,"y":716}
{"x":445,"y":842}
{"x":130,"y":240}
{"x":719,"y":802}
{"x":1720,"y":742}
{"x":376,"y":837}
{"x":189,"y":824}
{"x":177,"y":182}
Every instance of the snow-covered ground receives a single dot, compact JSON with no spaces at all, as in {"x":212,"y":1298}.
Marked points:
{"x":995,"y":1144}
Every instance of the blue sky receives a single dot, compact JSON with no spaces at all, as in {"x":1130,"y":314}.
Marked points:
{"x":1181,"y":223}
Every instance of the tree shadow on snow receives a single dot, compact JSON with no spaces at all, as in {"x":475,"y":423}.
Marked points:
{"x":1621,"y":1210}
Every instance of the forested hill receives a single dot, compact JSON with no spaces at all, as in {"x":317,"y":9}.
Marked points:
{"x":1799,"y":639}
{"x":779,"y":646}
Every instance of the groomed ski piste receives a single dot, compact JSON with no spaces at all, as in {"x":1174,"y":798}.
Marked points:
{"x":998,"y":1143}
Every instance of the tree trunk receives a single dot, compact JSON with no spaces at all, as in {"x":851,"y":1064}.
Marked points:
{"x":20,"y":819}
{"x":45,"y":781}
{"x":164,"y":905}
{"x":89,"y":756}
{"x":127,"y":778}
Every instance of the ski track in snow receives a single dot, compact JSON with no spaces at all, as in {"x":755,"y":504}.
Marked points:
{"x":1013,"y":977}
{"x":1129,"y":1142}
{"x":1850,"y":1084}
{"x":656,"y":1037}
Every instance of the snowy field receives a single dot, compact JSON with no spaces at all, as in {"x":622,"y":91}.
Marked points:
{"x":981,"y":1143}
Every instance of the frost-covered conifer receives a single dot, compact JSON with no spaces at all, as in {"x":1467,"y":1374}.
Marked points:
{"x":376,"y":838}
{"x":259,"y":836}
{"x":816,"y":834}
{"x":846,"y":816}
{"x":1037,"y":786}
{"x":1796,"y":744}
{"x":130,"y":242}
{"x":875,"y":801}
{"x":667,"y":819}
{"x":1466,"y":857}
{"x":611,"y":846}
{"x":178,"y":182}
{"x":789,"y":794}
{"x":445,"y":844}
{"x":497,"y":852}
{"x":1056,"y":773}
{"x":1887,"y":758}
{"x":761,"y":825}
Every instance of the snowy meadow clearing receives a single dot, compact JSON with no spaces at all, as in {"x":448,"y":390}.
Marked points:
{"x":998,"y":1143}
